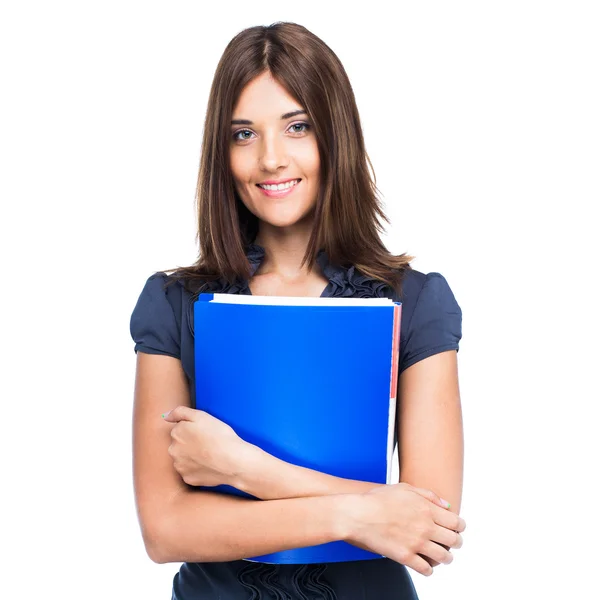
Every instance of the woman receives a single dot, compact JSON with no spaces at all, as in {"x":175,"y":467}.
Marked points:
{"x":287,"y":207}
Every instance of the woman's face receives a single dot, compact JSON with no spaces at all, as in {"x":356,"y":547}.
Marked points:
{"x":273,"y":143}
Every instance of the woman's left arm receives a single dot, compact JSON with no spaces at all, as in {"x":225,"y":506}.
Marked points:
{"x":430,"y":428}
{"x":430,"y":446}
{"x":430,"y":438}
{"x":208,"y":452}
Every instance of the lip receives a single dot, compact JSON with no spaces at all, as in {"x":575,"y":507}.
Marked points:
{"x":277,"y":181}
{"x":278,"y":193}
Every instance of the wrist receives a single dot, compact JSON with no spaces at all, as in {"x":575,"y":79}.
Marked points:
{"x":350,"y":515}
{"x":267,"y":477}
{"x":248,"y":463}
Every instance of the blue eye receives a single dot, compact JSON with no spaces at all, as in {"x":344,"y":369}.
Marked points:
{"x":237,"y":133}
{"x":243,"y":135}
{"x":305,"y":125}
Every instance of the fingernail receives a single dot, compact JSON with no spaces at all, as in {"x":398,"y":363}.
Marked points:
{"x":165,"y":414}
{"x":445,"y":503}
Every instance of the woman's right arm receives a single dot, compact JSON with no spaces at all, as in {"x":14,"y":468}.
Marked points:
{"x":179,"y":523}
{"x":183,"y":524}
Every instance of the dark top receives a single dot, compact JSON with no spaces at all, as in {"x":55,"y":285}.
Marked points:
{"x":162,"y":323}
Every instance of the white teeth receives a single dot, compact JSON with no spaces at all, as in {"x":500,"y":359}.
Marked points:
{"x":281,"y":186}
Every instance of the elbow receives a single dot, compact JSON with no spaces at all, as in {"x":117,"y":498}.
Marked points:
{"x":155,"y":556}
{"x":155,"y":543}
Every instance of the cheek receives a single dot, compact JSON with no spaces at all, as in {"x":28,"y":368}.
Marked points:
{"x":239,"y":167}
{"x":309,"y":157}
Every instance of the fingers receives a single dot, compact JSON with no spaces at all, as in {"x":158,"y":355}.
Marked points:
{"x":433,"y":563}
{"x":437,"y":553}
{"x":451,"y":521}
{"x":415,"y":561}
{"x":181,"y":413}
{"x":431,"y":496}
{"x":445,"y":518}
{"x":449,"y":524}
{"x":447,"y":537}
{"x":418,"y":564}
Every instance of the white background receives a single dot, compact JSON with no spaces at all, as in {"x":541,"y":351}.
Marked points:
{"x":482,"y":121}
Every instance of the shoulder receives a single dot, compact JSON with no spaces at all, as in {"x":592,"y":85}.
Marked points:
{"x":155,"y":322}
{"x":414,"y":282}
{"x":425,"y":289}
{"x":431,"y":317}
{"x":161,"y":287}
{"x":161,"y":283}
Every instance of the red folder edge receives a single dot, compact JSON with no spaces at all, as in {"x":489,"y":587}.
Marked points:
{"x":395,"y":352}
{"x":393,"y":389}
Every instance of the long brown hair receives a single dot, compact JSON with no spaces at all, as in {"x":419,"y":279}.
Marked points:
{"x":348,"y":208}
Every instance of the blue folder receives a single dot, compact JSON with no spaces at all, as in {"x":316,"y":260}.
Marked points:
{"x":311,"y":385}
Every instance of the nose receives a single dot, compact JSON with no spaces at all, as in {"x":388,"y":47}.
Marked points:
{"x":273,"y":153}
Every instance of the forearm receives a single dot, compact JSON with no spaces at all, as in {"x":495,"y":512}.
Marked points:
{"x":267,"y":477}
{"x":202,"y":526}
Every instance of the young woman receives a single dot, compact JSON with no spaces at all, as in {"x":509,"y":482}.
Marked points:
{"x":288,"y":207}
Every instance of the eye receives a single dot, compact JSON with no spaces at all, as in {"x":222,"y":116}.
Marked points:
{"x":294,"y":127}
{"x":244,"y":135}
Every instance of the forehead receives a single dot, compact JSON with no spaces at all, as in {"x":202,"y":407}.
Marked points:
{"x":264,"y":99}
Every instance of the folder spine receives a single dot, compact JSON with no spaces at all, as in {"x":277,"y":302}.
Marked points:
{"x":395,"y":351}
{"x":393,"y":388}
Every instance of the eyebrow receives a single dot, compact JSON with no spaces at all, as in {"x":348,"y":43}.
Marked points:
{"x":284,"y":116}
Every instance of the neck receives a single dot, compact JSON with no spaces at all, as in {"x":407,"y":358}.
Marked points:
{"x":283,"y":253}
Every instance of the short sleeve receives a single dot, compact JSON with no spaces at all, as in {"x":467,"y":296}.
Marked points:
{"x":153,"y":325}
{"x":435,"y":324}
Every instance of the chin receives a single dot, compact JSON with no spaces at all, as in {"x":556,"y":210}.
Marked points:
{"x":284,"y":220}
{"x":281,"y":222}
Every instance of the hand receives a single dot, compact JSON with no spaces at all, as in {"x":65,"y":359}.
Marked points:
{"x":406,"y":524}
{"x":205,"y":451}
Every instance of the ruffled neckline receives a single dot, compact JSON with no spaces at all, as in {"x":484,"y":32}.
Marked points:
{"x":344,"y":282}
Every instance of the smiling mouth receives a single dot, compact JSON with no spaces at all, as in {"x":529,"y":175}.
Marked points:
{"x":279,"y":187}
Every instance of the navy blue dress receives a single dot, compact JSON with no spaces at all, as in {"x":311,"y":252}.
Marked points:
{"x":162,"y":323}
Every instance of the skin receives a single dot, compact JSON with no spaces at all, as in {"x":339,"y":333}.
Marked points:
{"x":272,"y":148}
{"x":206,"y":451}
